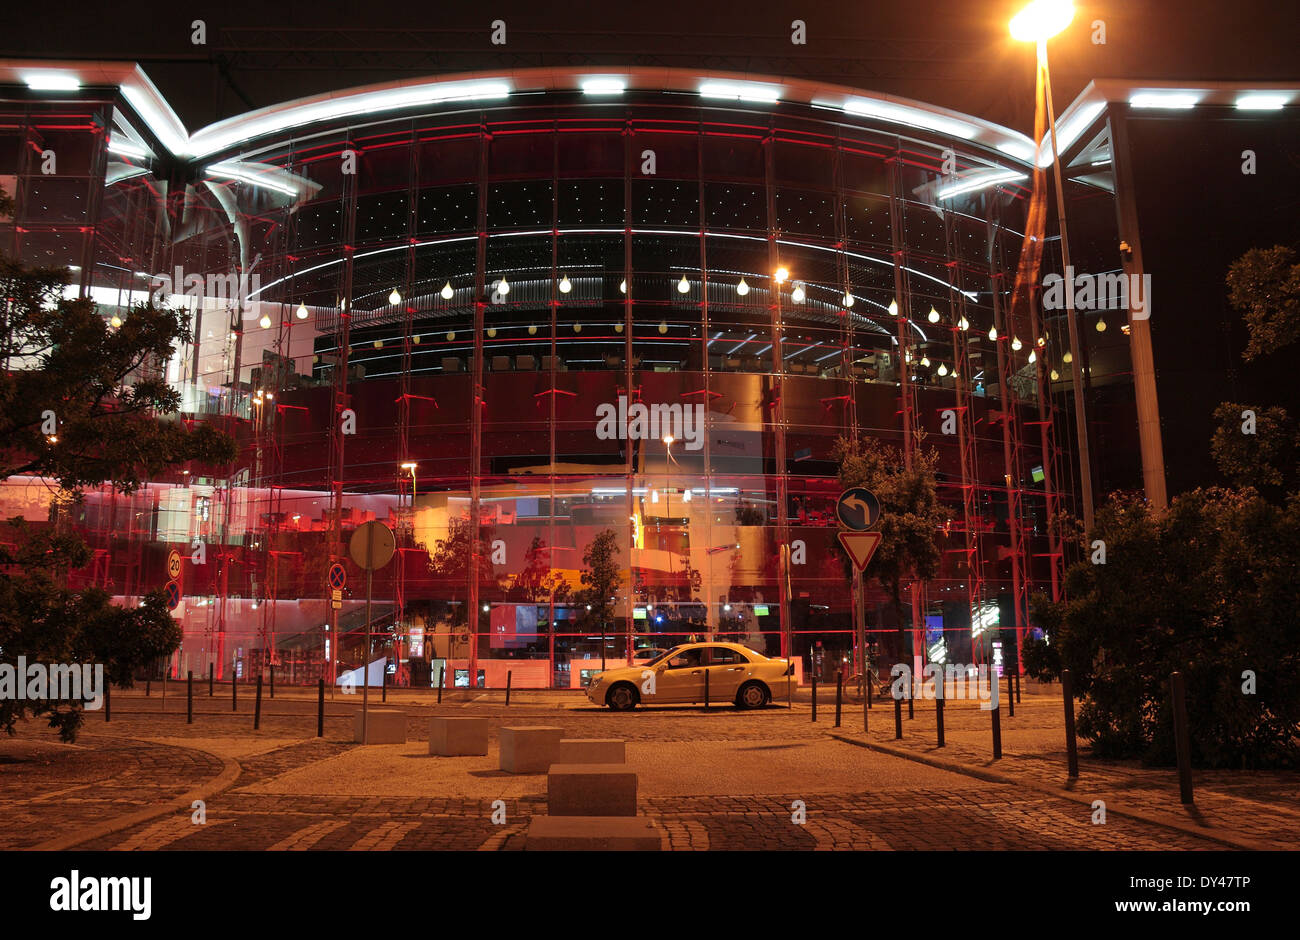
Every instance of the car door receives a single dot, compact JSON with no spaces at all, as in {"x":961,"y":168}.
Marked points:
{"x":727,"y":669}
{"x":681,"y":679}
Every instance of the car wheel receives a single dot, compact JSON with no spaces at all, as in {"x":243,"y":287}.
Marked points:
{"x":752,"y":695}
{"x":621,"y":697}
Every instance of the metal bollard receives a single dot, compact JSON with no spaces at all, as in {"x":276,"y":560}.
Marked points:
{"x":871,"y":690}
{"x":212,"y":672}
{"x":997,"y":732}
{"x":1182,"y":743}
{"x":1011,"y":698}
{"x":189,"y":697}
{"x":1071,"y":749}
{"x":441,"y":679}
{"x":509,"y":675}
{"x":257,"y":705}
{"x":1017,"y":683}
{"x":272,"y":667}
{"x":839,"y":694}
{"x":234,"y":688}
{"x":938,"y":717}
{"x":814,"y":696}
{"x":320,"y":708}
{"x":898,"y":719}
{"x":383,"y":683}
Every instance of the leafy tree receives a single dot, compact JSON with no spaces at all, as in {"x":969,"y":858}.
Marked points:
{"x":910,"y":512}
{"x":85,"y":405}
{"x":1265,"y":458}
{"x":1210,"y":587}
{"x":602,"y":577}
{"x":449,"y":563}
{"x":1264,"y":284}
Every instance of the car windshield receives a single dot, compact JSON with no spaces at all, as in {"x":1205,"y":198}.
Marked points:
{"x":663,"y":656}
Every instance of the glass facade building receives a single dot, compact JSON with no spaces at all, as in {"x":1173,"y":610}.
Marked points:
{"x":509,"y":316}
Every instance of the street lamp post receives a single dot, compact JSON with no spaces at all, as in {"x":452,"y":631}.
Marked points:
{"x":1038,"y":22}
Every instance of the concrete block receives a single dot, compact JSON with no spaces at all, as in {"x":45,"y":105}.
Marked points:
{"x":385,"y":727}
{"x":451,"y":737}
{"x":591,"y":834}
{"x":529,"y":750}
{"x":592,"y":751}
{"x":590,"y":790}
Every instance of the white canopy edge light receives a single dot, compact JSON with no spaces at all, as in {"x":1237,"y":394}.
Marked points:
{"x":1177,"y":101}
{"x":52,"y":81}
{"x":977,"y":181}
{"x":911,"y":116}
{"x":1263,"y":101}
{"x":228,"y":133}
{"x":603,"y":85}
{"x":741,"y":91}
{"x":1069,"y":129}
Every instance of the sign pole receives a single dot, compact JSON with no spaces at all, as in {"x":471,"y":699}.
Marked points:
{"x":860,"y":618}
{"x":365,"y":657}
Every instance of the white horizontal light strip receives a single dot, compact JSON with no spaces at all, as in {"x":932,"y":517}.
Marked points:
{"x":229,"y":133}
{"x":976,"y":182}
{"x":603,"y":86}
{"x":233,"y":172}
{"x":913,"y":117}
{"x":741,"y":91}
{"x":1262,"y":101}
{"x":1068,"y":131}
{"x":1180,"y":101}
{"x":52,"y":81}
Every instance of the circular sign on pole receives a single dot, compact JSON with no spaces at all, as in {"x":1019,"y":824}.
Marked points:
{"x":173,"y":565}
{"x":858,"y":508}
{"x":172,"y":593}
{"x":372,"y":546}
{"x":337,"y":577}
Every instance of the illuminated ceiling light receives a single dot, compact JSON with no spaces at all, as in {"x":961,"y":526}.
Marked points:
{"x":394,"y":298}
{"x":623,"y":286}
{"x":1068,"y":357}
{"x":1041,"y":20}
{"x":993,"y":332}
{"x":963,"y":324}
{"x":742,"y":288}
{"x":1178,"y":102}
{"x":943,"y":369}
{"x":565,"y":284}
{"x":913,"y":117}
{"x":741,"y":91}
{"x":925,"y":361}
{"x":798,"y":295}
{"x":1262,"y":101}
{"x":976,"y":181}
{"x":1033,"y":356}
{"x":1101,"y":325}
{"x":264,"y":322}
{"x":663,"y":327}
{"x":654,"y":496}
{"x":933,"y":316}
{"x":682,"y":286}
{"x":782,"y":273}
{"x":848,"y":299}
{"x":1055,"y":375}
{"x":117,"y":321}
{"x":302,"y":311}
{"x":51,"y":81}
{"x":603,"y":86}
{"x":893,"y":308}
{"x":446,"y":291}
{"x":1016,"y":344}
{"x":503,"y":287}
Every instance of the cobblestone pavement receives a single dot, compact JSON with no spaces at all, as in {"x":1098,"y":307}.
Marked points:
{"x":48,"y":789}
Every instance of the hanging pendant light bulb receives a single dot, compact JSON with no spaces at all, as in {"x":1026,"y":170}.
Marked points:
{"x":415,"y":340}
{"x":848,"y":299}
{"x":683,"y":286}
{"x":1068,"y":357}
{"x":893,"y":308}
{"x":532,"y":330}
{"x":503,"y":287}
{"x":451,"y":336}
{"x":618,"y":327}
{"x":943,"y":369}
{"x":265,"y":322}
{"x":1033,"y":356}
{"x":1042,"y":341}
{"x":1101,"y":325}
{"x":447,"y":291}
{"x":302,"y":312}
{"x":565,"y":284}
{"x":663,"y":328}
{"x":742,"y":288}
{"x":933,"y":316}
{"x":492,"y":332}
{"x":394,"y":298}
{"x":115,"y":322}
{"x":993,"y":333}
{"x":1016,"y":344}
{"x":963,"y":324}
{"x":925,"y":361}
{"x":1055,"y":376}
{"x":577,"y":327}
{"x":797,"y":295}
{"x":379,"y":344}
{"x":623,"y":286}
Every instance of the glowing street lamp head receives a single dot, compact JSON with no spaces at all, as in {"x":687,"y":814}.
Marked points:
{"x":668,"y":439}
{"x":782,"y":273}
{"x":1041,"y":20}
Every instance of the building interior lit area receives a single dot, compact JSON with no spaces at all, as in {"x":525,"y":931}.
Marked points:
{"x":505,"y":314}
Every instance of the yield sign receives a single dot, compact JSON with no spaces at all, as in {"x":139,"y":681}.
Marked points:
{"x":860,"y":546}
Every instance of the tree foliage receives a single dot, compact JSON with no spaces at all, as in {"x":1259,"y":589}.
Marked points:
{"x":1264,"y":284}
{"x":602,"y":577}
{"x":1265,"y":458}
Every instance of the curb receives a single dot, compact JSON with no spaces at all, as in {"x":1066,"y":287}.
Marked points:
{"x":230,"y":772}
{"x":1169,"y":822}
